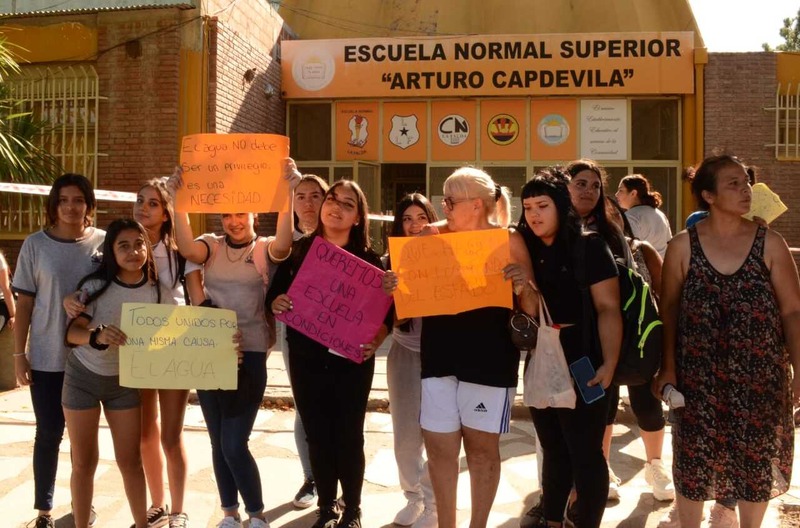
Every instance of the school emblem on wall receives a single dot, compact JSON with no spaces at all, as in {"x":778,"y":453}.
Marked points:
{"x":404,"y":131}
{"x":553,"y":129}
{"x":453,"y":130}
{"x":503,"y":129}
{"x":358,"y":130}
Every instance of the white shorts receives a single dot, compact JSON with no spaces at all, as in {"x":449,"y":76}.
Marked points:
{"x":448,"y":404}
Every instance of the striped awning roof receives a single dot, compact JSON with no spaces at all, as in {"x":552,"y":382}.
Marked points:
{"x":56,"y":7}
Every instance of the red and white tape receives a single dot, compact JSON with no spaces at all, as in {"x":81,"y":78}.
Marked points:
{"x":44,"y":190}
{"x":112,"y":196}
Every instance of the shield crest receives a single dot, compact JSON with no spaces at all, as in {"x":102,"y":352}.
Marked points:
{"x":404,"y":131}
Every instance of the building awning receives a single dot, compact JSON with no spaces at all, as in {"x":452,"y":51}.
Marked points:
{"x":49,"y":7}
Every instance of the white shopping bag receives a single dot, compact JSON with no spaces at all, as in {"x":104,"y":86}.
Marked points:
{"x":547,"y":381}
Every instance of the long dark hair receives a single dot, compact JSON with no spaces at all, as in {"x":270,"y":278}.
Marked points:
{"x":604,"y":226}
{"x":552,"y":182}
{"x":614,"y":208}
{"x":397,"y":227}
{"x":71,"y":180}
{"x":358,"y":241}
{"x":109,"y":268}
{"x":167,"y":232}
{"x":645,"y":194}
{"x":407,"y":201}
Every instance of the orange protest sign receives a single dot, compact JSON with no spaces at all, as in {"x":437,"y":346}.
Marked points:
{"x":233,"y":173}
{"x":452,"y":273}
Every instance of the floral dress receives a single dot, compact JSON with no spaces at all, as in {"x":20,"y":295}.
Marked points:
{"x":735,"y":438}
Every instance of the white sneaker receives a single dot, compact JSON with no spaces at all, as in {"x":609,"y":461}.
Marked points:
{"x":722,"y":517}
{"x":410,"y":513}
{"x":229,"y":522}
{"x":613,"y":485}
{"x":671,"y":518}
{"x":428,"y":519}
{"x":656,"y":475}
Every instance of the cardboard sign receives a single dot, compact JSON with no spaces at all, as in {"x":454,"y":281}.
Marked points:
{"x":337,"y":300}
{"x":233,"y":173}
{"x":765,"y":204}
{"x":177,"y":347}
{"x":452,"y":273}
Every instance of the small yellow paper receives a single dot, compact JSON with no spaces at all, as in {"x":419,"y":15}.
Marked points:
{"x":177,"y":347}
{"x":765,"y":204}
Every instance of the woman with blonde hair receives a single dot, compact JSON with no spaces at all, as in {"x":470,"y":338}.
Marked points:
{"x":469,"y":364}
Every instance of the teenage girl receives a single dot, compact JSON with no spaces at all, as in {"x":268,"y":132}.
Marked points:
{"x":307,"y":202}
{"x":330,"y":391}
{"x":154,"y":211}
{"x":127,"y":273}
{"x":234,"y":281}
{"x":404,"y":379}
{"x":50,"y":264}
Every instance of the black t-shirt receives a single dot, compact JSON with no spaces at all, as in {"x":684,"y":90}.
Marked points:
{"x":284,"y":276}
{"x":554,"y":269}
{"x":474,"y":346}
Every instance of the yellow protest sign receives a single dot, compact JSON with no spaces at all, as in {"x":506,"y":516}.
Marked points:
{"x":452,"y":273}
{"x":177,"y":347}
{"x":765,"y":204}
{"x":233,"y":173}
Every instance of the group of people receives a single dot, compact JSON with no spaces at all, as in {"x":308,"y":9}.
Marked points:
{"x":727,"y":289}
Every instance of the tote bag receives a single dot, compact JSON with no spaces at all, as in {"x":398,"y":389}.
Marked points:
{"x":547,"y":381}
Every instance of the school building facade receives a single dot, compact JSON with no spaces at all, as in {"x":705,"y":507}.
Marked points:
{"x":398,"y":94}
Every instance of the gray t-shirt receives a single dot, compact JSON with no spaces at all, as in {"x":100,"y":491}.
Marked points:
{"x":107,"y":310}
{"x":48,"y":268}
{"x":233,"y":282}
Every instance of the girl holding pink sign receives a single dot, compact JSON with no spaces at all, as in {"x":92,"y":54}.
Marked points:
{"x":331,"y":391}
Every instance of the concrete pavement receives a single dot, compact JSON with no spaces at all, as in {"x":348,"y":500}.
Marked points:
{"x":273,"y":446}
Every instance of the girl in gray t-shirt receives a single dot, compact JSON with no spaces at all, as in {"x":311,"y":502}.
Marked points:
{"x":91,"y":378}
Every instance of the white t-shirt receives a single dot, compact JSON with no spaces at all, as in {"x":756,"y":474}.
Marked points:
{"x":650,"y":224}
{"x":233,"y":282}
{"x":48,"y":268}
{"x":107,"y":310}
{"x":167,"y":270}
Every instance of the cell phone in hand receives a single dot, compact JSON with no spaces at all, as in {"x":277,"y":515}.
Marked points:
{"x":583,"y":371}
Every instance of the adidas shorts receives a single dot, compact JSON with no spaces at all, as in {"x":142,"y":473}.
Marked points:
{"x":449,"y":404}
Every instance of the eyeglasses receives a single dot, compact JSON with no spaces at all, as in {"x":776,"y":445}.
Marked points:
{"x":450,"y":203}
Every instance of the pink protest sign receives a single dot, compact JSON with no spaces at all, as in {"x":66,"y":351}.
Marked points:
{"x":337,"y":300}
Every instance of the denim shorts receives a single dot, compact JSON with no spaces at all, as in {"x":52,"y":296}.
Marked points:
{"x":83,"y":389}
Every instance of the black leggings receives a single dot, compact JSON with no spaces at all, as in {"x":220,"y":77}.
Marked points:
{"x":645,"y":406}
{"x":572,"y":445}
{"x":331,"y":395}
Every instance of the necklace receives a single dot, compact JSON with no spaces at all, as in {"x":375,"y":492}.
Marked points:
{"x":243,"y":249}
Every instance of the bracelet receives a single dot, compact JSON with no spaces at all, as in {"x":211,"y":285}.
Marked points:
{"x":93,"y":338}
{"x":18,"y":354}
{"x":277,"y":260}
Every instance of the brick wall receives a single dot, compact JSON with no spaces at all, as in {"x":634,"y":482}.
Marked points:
{"x":139,"y":121}
{"x":738,"y":88}
{"x":243,"y":67}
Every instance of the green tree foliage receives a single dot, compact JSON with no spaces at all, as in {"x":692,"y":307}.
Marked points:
{"x":790,"y":32}
{"x":21,"y":160}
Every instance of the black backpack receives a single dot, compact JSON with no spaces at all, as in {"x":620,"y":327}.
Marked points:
{"x":642,"y":329}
